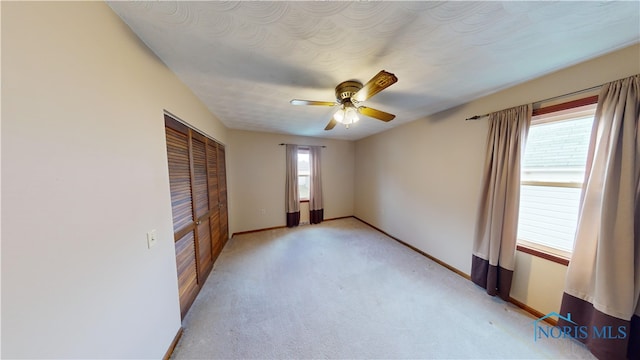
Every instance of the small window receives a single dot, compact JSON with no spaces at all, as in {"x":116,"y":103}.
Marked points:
{"x":303,"y":174}
{"x":551,"y":181}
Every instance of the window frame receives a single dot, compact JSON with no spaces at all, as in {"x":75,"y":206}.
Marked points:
{"x":559,"y":110}
{"x":307,"y":151}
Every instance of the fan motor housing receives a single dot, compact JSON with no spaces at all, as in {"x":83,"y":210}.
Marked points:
{"x":346,"y":89}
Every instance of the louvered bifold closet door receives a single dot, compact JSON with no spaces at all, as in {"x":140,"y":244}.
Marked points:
{"x":201,"y":205}
{"x":182,"y":208}
{"x":214,"y":204}
{"x":222,"y":195}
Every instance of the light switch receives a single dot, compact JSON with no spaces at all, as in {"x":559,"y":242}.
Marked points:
{"x":152,"y":238}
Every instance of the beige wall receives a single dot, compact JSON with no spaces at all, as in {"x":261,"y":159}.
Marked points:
{"x":421,"y":181}
{"x":256,"y":174}
{"x":537,"y":282}
{"x":84,"y":177}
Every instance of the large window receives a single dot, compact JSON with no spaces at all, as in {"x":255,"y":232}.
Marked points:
{"x":303,"y":174}
{"x":552,"y":174}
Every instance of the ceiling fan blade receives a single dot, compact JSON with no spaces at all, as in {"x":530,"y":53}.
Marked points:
{"x":311,"y":102}
{"x":381,"y":81}
{"x":376,"y":114}
{"x":332,"y":123}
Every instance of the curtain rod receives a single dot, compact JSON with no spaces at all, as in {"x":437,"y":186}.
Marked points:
{"x":322,"y":146}
{"x":477,"y":117}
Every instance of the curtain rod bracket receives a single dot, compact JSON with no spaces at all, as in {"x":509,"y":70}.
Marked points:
{"x":477,"y":117}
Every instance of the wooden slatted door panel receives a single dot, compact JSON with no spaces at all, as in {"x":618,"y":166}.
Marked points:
{"x":201,"y":205}
{"x":200,"y":188}
{"x":205,"y":257}
{"x":181,"y":187}
{"x":222,"y":194}
{"x":187,"y":275}
{"x":214,"y":205}
{"x":179,"y":179}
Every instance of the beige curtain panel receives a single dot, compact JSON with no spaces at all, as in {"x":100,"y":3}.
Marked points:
{"x":316,"y":210}
{"x":292,"y":195}
{"x":494,"y":245}
{"x":603,"y":278}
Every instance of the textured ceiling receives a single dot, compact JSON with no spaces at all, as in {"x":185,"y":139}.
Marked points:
{"x":246,"y":60}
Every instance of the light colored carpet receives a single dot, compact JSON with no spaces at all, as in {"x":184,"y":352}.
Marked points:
{"x":343,"y":290}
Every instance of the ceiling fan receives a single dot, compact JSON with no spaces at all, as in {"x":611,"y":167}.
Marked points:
{"x":349,"y":94}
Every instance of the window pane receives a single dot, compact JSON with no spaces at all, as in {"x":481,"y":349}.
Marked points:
{"x":303,"y":162}
{"x":304,"y":170}
{"x":557,"y":151}
{"x":303,"y":186}
{"x":548,"y":215}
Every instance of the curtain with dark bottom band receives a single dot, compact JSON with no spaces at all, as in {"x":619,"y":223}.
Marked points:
{"x":494,"y":245}
{"x":602,"y":287}
{"x":292,"y":195}
{"x":316,"y":211}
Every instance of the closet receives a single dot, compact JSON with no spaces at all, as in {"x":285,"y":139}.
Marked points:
{"x":197,"y":180}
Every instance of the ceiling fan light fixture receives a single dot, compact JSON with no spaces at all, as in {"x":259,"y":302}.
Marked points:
{"x":347,"y":114}
{"x":350,"y":115}
{"x":339,"y":115}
